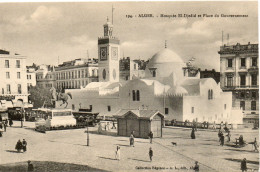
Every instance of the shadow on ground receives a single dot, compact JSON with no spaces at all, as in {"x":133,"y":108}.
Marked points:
{"x":139,"y":160}
{"x":107,"y":158}
{"x":45,"y":166}
{"x":241,"y":150}
{"x":239,"y":160}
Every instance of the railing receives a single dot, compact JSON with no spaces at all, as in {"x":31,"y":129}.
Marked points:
{"x":240,"y":86}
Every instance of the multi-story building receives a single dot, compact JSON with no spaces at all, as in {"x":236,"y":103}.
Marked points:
{"x":45,"y":76}
{"x":239,"y":74}
{"x":210,"y":74}
{"x":31,"y":77}
{"x":129,"y":68}
{"x":13,"y":84}
{"x":76,"y":73}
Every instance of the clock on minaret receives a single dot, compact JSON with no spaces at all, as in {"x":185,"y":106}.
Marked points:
{"x":103,"y":53}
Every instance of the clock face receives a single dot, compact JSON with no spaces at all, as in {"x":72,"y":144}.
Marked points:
{"x":114,"y":74}
{"x":103,"y":53}
{"x":104,"y":74}
{"x":114,"y":53}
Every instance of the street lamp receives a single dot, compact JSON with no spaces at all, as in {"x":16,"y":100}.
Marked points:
{"x":87,"y":132}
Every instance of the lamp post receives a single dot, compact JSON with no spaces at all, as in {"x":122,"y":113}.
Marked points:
{"x":87,"y":132}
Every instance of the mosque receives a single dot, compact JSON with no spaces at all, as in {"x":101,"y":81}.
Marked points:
{"x":166,"y":88}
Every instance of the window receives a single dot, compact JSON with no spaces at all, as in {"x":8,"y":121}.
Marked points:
{"x":192,"y":109}
{"x":229,"y":81}
{"x":7,"y":75}
{"x":18,"y":75}
{"x":133,"y":95}
{"x":8,"y":88}
{"x":242,"y":95}
{"x":134,"y":66}
{"x":18,"y":64}
{"x":108,"y":108}
{"x":225,"y":106}
{"x":243,"y":62}
{"x":137,"y":95}
{"x":19,"y":88}
{"x":79,"y":74}
{"x":253,"y":105}
{"x":166,"y":111}
{"x":230,"y":62}
{"x":254,"y":94}
{"x":242,"y":105}
{"x":73,"y":107}
{"x":210,"y":94}
{"x":154,"y":73}
{"x":254,"y":79}
{"x":254,"y":61}
{"x":242,"y":80}
{"x":6,"y":63}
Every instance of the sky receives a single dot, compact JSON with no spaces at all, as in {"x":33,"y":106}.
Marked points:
{"x":48,"y":33}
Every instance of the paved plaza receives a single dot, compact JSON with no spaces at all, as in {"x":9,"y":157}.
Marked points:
{"x":66,"y":150}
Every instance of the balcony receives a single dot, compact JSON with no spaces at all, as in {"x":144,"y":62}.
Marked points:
{"x":240,"y":87}
{"x":253,"y":69}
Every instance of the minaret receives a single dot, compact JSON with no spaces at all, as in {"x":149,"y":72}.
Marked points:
{"x":108,"y":55}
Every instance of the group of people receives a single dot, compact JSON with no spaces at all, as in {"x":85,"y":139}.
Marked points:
{"x":21,"y":145}
{"x":131,"y":139}
{"x":4,"y":124}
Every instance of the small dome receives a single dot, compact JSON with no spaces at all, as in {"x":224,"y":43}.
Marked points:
{"x":165,"y":56}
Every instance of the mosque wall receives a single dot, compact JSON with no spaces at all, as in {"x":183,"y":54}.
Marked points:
{"x":201,"y":109}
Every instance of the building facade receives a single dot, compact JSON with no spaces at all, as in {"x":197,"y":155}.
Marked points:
{"x":129,"y":68}
{"x":210,"y":74}
{"x":166,"y":87}
{"x":76,"y":73}
{"x":13,"y":84}
{"x":45,"y":76}
{"x":239,"y":74}
{"x":31,"y":77}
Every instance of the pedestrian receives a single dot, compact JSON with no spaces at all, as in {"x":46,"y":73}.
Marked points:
{"x":228,"y":136}
{"x":4,"y":125}
{"x":118,"y":153}
{"x":255,"y":145}
{"x":151,"y":154}
{"x":219,"y":135}
{"x":132,"y":140}
{"x":150,"y":135}
{"x":10,"y":122}
{"x":99,"y":128}
{"x":243,"y":165}
{"x":30,"y":166}
{"x":24,"y":143}
{"x":19,"y":146}
{"x":196,"y":167}
{"x":193,"y":134}
{"x":222,"y":139}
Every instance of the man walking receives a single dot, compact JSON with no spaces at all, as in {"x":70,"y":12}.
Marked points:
{"x":243,"y":165}
{"x":151,"y":154}
{"x":150,"y":135}
{"x":24,"y":143}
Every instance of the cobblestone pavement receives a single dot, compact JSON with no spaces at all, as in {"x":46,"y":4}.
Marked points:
{"x":69,"y":146}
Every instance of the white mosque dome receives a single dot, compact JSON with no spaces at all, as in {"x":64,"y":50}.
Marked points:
{"x":165,"y":56}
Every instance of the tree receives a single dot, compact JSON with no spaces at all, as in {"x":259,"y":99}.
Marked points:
{"x":40,"y":97}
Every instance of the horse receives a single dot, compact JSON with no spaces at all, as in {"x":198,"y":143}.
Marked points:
{"x":64,"y":97}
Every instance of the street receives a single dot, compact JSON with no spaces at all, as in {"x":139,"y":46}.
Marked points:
{"x":67,"y":150}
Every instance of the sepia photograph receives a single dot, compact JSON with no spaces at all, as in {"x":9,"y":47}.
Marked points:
{"x":129,"y":86}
